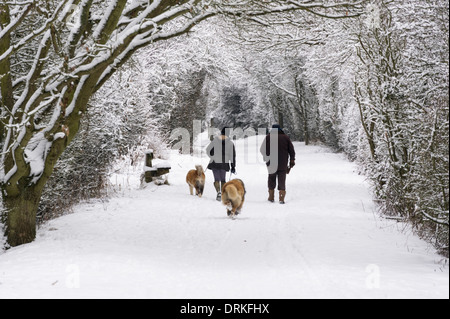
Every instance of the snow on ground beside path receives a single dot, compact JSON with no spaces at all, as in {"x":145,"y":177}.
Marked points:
{"x":160,"y":242}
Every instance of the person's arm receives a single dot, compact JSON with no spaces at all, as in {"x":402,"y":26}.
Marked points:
{"x":291,"y":151}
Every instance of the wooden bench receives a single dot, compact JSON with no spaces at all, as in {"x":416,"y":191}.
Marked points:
{"x":153,"y":173}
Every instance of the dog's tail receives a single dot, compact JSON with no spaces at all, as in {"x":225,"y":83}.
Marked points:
{"x":199,"y":169}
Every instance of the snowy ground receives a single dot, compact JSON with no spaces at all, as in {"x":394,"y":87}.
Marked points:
{"x":160,"y":242}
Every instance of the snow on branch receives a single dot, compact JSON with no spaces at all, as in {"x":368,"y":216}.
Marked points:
{"x":47,"y":24}
{"x":20,"y":16}
{"x":331,"y":10}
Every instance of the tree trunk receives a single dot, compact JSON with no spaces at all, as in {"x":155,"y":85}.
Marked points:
{"x":6,"y":91}
{"x":20,"y":214}
{"x":306,"y":128}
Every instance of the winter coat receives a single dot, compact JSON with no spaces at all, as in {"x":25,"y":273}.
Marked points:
{"x":221,"y":152}
{"x":285,"y":150}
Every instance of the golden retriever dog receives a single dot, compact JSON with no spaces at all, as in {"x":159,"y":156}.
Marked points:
{"x":196,"y":179}
{"x":233,"y":195}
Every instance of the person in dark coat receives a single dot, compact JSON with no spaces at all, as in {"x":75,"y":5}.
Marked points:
{"x":279,"y":154}
{"x":222,"y":154}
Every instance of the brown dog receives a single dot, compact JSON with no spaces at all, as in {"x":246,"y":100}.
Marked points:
{"x":233,"y":195}
{"x":196,"y":179}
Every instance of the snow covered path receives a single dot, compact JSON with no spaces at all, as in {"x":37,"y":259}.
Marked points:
{"x":160,"y":242}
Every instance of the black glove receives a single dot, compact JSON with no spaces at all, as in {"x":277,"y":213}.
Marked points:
{"x":292,"y":164}
{"x":233,"y":170}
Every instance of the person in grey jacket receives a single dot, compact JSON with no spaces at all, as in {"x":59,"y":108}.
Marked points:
{"x":222,"y":154}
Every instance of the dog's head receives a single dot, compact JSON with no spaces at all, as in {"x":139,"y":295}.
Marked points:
{"x":200,"y":187}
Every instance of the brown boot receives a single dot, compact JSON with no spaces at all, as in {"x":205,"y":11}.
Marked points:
{"x":271,"y":195}
{"x":282,"y":196}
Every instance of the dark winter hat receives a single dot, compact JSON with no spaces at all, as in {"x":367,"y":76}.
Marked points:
{"x":277,"y":128}
{"x":225,"y":130}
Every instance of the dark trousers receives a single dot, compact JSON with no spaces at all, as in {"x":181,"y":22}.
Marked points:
{"x":272,"y":183}
{"x":219,"y":175}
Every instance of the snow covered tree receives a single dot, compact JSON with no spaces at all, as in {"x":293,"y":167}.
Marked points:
{"x":300,"y":106}
{"x":402,"y":93}
{"x":101,"y":147}
{"x":238,"y":109}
